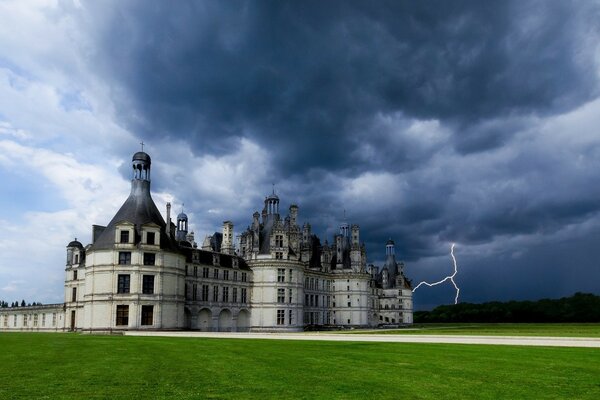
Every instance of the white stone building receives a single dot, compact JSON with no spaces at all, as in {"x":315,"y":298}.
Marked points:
{"x":144,"y":272}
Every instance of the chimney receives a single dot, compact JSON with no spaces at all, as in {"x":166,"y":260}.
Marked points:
{"x":168,"y":228}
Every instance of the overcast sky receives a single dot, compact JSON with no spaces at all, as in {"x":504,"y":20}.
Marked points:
{"x":428,"y":122}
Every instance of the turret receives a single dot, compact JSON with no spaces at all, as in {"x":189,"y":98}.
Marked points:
{"x":227,"y":244}
{"x":182,"y":226}
{"x":293,"y":215}
{"x":75,"y":253}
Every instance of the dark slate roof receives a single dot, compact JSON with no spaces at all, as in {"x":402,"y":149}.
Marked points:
{"x":138,"y":209}
{"x":75,"y":243}
{"x":140,"y":155}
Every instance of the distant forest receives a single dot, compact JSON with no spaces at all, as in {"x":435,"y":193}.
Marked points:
{"x":581,"y":307}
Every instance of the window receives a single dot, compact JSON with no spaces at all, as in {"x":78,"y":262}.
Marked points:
{"x":205,"y":272}
{"x":291,"y":270}
{"x":290,"y":316}
{"x":124,"y":236}
{"x":43,"y":319}
{"x":76,"y":258}
{"x":25,"y":320}
{"x":148,"y":284}
{"x":194,"y":291}
{"x":124,"y":257}
{"x":6,"y":320}
{"x":281,"y":295}
{"x":215,"y":293}
{"x":280,"y":275}
{"x":349,"y":304}
{"x":204,"y":292}
{"x":235,"y":276}
{"x":147,"y":314}
{"x":122,"y":314}
{"x":123,"y":284}
{"x":244,"y":295}
{"x":195,"y":271}
{"x":149,"y":258}
{"x":278,"y":255}
{"x":290,"y":296}
{"x":280,"y":317}
{"x":150,"y":240}
{"x":74,"y":294}
{"x":278,"y":240}
{"x":306,"y":300}
{"x":244,"y":277}
{"x":316,"y":301}
{"x":216,"y":274}
{"x":226,"y":275}
{"x":225,"y":294}
{"x":35,"y":320}
{"x":75,"y":275}
{"x":235,"y":295}
{"x":53,"y":319}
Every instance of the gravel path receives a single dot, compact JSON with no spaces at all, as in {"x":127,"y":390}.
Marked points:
{"x":454,"y":339}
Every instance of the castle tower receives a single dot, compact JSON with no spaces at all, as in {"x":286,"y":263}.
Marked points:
{"x":227,"y":244}
{"x":293,"y":215}
{"x":182,"y":226}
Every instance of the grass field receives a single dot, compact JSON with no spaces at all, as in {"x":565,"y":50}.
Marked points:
{"x":556,"y":330}
{"x":56,"y":366}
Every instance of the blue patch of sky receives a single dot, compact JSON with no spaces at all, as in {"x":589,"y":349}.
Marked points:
{"x":21,"y":192}
{"x":74,"y":100}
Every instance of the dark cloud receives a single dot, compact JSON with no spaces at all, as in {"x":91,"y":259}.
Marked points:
{"x":442,"y":103}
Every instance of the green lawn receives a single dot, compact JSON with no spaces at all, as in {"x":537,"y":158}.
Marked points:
{"x":56,"y":366}
{"x":558,"y":330}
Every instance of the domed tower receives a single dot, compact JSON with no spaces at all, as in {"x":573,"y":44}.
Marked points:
{"x":182,"y":226}
{"x":75,"y":253}
{"x":390,"y":261}
{"x":272,"y":204}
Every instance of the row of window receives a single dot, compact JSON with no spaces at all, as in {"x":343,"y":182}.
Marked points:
{"x":124,"y":284}
{"x":26,"y":318}
{"x":312,"y":300}
{"x":204,"y":293}
{"x":281,"y":317}
{"x":147,"y":315}
{"x":125,"y":237}
{"x":317,"y":318}
{"x":125,"y":258}
{"x":316,"y":284}
{"x":281,"y":275}
{"x":215,"y":274}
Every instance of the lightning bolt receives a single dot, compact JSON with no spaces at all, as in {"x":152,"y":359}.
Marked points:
{"x":450,"y":277}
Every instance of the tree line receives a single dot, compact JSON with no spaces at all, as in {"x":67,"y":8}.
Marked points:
{"x":581,"y":307}
{"x":4,"y":304}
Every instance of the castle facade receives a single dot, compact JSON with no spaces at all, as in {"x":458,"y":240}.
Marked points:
{"x":143,"y":272}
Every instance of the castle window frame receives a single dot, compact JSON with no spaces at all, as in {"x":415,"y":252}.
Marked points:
{"x":244,"y":277}
{"x":216,"y":273}
{"x":150,"y":238}
{"x":244,"y":296}
{"x":147,"y":315}
{"x":281,"y":295}
{"x":124,"y":236}
{"x":225,"y":294}
{"x":280,"y":274}
{"x":278,"y":240}
{"x":235,"y":276}
{"x":122,"y":315}
{"x":204,"y":293}
{"x":235,"y":295}
{"x":290,"y":316}
{"x":205,"y":272}
{"x":124,"y":257}
{"x":147,"y":284}
{"x":74,"y":294}
{"x":215,"y":294}
{"x":280,"y":317}
{"x":75,"y":275}
{"x":149,"y":258}
{"x":290,"y":295}
{"x":123,"y":283}
{"x":225,"y":275}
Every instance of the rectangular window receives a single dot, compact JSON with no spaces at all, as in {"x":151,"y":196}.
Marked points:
{"x":35,"y":320}
{"x":124,"y":236}
{"x":148,"y":284}
{"x":74,"y":275}
{"x":234,"y":276}
{"x":226,"y":275}
{"x":278,"y":255}
{"x":225,"y":294}
{"x":280,"y":275}
{"x":150,"y":240}
{"x":43,"y":319}
{"x":306,"y":300}
{"x":205,"y":272}
{"x":74,"y":294}
{"x":235,"y":295}
{"x":5,"y":320}
{"x":280,"y":317}
{"x":124,"y":257}
{"x":216,"y":274}
{"x":53,"y":319}
{"x":290,"y":316}
{"x":204,"y":292}
{"x":244,"y":295}
{"x":281,"y":295}
{"x":194,"y":291}
{"x":278,"y":240}
{"x":349,"y":304}
{"x":123,"y":284}
{"x":122,"y":314}
{"x":149,"y":258}
{"x":290,"y":295}
{"x":195,"y":271}
{"x":244,"y":277}
{"x":291,"y":271}
{"x":147,"y":315}
{"x":24,"y":320}
{"x":215,"y":293}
